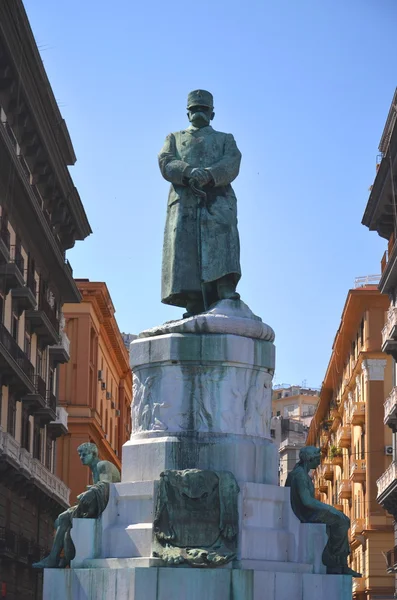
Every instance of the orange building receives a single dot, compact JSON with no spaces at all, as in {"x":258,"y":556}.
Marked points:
{"x":95,"y":385}
{"x":348,"y":426}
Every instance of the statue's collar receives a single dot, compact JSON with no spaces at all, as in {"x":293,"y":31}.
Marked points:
{"x":202,"y":130}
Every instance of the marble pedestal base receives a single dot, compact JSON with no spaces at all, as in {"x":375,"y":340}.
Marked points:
{"x":142,"y":583}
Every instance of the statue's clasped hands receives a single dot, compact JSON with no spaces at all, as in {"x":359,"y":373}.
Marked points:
{"x":201,"y":176}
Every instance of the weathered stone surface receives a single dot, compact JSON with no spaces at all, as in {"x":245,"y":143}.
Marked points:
{"x":226,"y":316}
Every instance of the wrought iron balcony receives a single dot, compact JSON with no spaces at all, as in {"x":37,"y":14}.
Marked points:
{"x":34,"y":472}
{"x":44,"y":322}
{"x":358,"y":469}
{"x":24,"y":297}
{"x":36,"y":400}
{"x":388,"y":480}
{"x":60,"y":425}
{"x":48,"y":412}
{"x":343,"y":437}
{"x":357,"y":413}
{"x":14,"y":362}
{"x":390,"y":406}
{"x":389,"y":331}
{"x":60,"y":353}
{"x":12,"y":272}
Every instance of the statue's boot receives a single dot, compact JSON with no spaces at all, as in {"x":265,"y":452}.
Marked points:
{"x":49,"y":562}
{"x":348,"y":571}
{"x":226,"y":289}
{"x":194,"y":306}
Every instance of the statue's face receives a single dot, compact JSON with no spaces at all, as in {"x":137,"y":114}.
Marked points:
{"x":86,"y":456}
{"x":315,"y":460}
{"x":200,"y":116}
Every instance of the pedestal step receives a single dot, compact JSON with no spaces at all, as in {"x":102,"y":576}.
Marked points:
{"x":143,"y":583}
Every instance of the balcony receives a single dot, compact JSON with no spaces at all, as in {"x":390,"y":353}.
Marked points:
{"x":337,"y":460}
{"x":12,"y":272}
{"x":356,"y":531}
{"x":345,"y":489}
{"x":357,"y":469}
{"x":389,"y":331}
{"x":8,"y":543}
{"x":36,"y":400}
{"x":60,"y":353}
{"x":14,"y":364}
{"x":390,"y":406}
{"x":34,"y":472}
{"x":24,"y":297}
{"x":357,"y":413}
{"x":328,"y":471}
{"x":48,"y":412}
{"x":387,"y":482}
{"x":44,"y":322}
{"x":322,"y":485}
{"x":391,"y":558}
{"x":60,"y":425}
{"x":343,"y":437}
{"x":337,"y":506}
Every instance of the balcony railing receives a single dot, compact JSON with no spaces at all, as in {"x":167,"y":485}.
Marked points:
{"x":51,"y":401}
{"x":343,"y":437}
{"x":328,"y":471}
{"x":358,"y":468}
{"x":389,"y":330}
{"x":17,"y":258}
{"x":16,"y":352}
{"x":5,"y":233}
{"x":390,"y":406}
{"x":49,"y":311}
{"x":391,"y":558}
{"x":33,"y":469}
{"x":357,"y":413}
{"x":387,"y":478}
{"x":345,"y":489}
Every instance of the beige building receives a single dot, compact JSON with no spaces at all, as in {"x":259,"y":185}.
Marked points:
{"x":355,"y":443}
{"x":293,"y":408}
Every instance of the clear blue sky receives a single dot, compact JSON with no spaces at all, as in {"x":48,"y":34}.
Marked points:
{"x":304,"y":86}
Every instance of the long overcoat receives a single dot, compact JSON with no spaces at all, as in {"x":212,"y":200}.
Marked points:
{"x":201,"y":245}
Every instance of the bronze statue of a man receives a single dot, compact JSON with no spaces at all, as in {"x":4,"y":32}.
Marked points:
{"x":310,"y":510}
{"x":91,"y":505}
{"x":201,"y":251}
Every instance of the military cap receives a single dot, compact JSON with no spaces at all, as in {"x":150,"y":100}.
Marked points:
{"x":200,"y":98}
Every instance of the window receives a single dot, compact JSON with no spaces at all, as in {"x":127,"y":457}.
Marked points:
{"x":27,"y":345}
{"x":1,"y":308}
{"x":273,"y":433}
{"x":278,"y":413}
{"x":12,"y":409}
{"x":39,"y":362}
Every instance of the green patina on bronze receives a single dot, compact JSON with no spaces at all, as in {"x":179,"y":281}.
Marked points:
{"x":201,"y":251}
{"x":196,"y":519}
{"x":310,"y":510}
{"x":91,"y":505}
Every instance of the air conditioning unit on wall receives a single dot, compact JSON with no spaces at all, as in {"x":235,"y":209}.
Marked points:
{"x":389,"y":450}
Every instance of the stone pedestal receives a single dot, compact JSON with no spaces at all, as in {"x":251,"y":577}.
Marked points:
{"x":202,"y":400}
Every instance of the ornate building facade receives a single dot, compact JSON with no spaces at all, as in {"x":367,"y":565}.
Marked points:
{"x":41,"y":216}
{"x":355,"y":443}
{"x":381,"y":216}
{"x":95,"y":385}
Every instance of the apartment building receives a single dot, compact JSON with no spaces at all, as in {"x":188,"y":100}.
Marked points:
{"x":41,"y":216}
{"x":355,"y":443}
{"x":95,"y":386}
{"x":293,"y":408}
{"x":380,"y":215}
